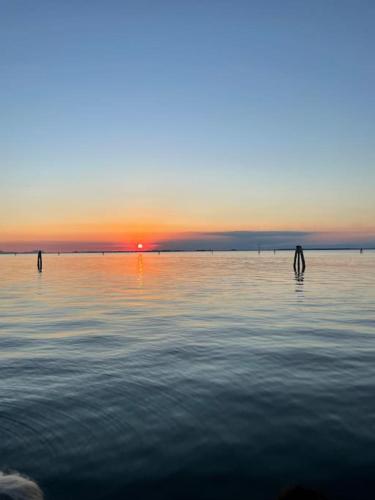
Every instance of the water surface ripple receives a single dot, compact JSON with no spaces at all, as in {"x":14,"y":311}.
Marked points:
{"x":189,"y":375}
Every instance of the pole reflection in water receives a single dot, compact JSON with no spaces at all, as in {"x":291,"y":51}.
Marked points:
{"x":299,"y":278}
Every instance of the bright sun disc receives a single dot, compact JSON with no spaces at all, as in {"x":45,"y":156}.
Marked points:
{"x":139,"y":246}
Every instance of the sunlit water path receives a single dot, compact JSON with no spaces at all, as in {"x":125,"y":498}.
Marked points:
{"x":189,"y":375}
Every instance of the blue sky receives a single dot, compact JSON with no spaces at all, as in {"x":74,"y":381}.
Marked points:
{"x":136,"y":119}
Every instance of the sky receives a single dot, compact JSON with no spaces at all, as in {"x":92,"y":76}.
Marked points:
{"x":206,"y":123}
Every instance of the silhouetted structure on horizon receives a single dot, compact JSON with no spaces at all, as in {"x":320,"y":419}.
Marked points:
{"x":40,"y":262}
{"x":299,"y":259}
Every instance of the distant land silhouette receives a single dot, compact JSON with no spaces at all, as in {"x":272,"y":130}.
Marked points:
{"x":181,"y":250}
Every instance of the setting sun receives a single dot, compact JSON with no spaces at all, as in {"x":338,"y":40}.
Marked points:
{"x":140,"y":246}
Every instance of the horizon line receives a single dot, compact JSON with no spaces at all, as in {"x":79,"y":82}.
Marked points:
{"x":202,"y":250}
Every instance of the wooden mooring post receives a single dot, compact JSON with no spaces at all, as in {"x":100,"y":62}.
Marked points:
{"x":40,"y":262}
{"x":299,"y":260}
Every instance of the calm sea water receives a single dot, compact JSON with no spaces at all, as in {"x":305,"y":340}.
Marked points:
{"x":189,"y":375}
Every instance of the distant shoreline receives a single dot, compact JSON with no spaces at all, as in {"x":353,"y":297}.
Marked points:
{"x":210,"y":250}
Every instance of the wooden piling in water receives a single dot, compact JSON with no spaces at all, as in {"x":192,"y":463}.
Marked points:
{"x":299,"y":260}
{"x":40,"y":262}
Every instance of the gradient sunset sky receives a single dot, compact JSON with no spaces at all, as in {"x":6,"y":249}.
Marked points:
{"x":186,"y":123}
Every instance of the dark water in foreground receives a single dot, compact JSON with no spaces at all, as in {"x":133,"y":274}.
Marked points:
{"x":185,"y":376}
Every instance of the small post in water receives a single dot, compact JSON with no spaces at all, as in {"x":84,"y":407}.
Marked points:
{"x":299,"y":259}
{"x":40,"y":262}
